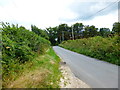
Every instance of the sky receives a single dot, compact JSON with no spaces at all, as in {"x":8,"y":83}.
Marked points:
{"x":51,"y":13}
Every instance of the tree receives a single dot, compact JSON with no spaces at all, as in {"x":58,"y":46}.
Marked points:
{"x":77,"y":29}
{"x":39,"y":32}
{"x":116,"y":28}
{"x":104,"y":32}
{"x":52,"y":33}
{"x":59,"y":33}
{"x":90,"y":31}
{"x":63,"y":32}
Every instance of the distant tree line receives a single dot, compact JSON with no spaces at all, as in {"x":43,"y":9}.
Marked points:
{"x":76,"y":31}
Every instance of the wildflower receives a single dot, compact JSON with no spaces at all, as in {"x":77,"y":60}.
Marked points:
{"x":7,"y":47}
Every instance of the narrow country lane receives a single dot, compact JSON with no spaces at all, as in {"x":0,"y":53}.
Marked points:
{"x":96,"y":73}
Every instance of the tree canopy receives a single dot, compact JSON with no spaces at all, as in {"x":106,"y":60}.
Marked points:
{"x":64,"y":32}
{"x":116,"y":28}
{"x":39,"y":32}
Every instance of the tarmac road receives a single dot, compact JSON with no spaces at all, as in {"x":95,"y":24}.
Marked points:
{"x":96,"y":73}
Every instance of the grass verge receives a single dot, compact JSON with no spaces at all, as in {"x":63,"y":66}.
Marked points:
{"x":41,"y":72}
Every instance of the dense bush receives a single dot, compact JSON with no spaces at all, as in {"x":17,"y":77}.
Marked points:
{"x":20,"y":45}
{"x":106,"y":49}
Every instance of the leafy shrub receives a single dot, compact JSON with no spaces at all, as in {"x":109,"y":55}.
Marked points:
{"x":20,"y":45}
{"x":106,"y":49}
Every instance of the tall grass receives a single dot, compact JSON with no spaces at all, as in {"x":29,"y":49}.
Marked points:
{"x":41,"y":72}
{"x":106,"y":49}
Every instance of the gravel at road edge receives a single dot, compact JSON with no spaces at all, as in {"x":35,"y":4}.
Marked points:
{"x":68,"y":80}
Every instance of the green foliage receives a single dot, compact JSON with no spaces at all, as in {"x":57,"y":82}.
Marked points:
{"x":77,"y":29}
{"x":53,"y":66}
{"x":90,"y":31}
{"x":106,"y":49}
{"x":64,"y":32}
{"x":39,"y":32}
{"x":104,"y":32}
{"x":59,"y":33}
{"x":41,"y":72}
{"x":19,"y":45}
{"x":116,"y":28}
{"x":53,"y":34}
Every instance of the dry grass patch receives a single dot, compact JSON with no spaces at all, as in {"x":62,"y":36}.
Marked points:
{"x":30,"y":80}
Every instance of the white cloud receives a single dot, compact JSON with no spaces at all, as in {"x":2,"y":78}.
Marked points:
{"x":103,"y":21}
{"x":44,"y":13}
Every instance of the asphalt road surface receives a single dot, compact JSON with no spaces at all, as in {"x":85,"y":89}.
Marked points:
{"x":96,"y":73}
